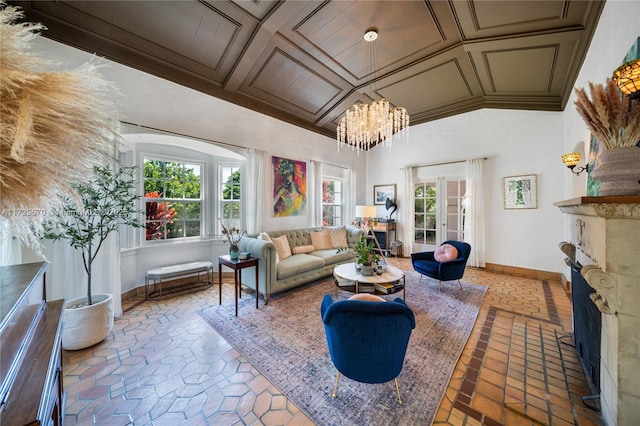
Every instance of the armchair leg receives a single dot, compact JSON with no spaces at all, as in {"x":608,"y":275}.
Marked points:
{"x":335,"y":388}
{"x":459,"y":284}
{"x":439,"y":285}
{"x":420,"y":279}
{"x":398,"y":391}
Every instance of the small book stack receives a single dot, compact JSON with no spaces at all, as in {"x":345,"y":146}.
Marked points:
{"x":366,"y":288}
{"x":387,"y":287}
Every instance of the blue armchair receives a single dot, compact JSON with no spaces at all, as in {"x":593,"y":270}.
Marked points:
{"x":425,"y":264}
{"x":367,"y":340}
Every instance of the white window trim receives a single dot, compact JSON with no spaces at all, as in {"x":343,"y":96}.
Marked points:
{"x":204,"y":191}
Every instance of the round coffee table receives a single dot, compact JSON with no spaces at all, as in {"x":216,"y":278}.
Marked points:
{"x":348,"y":278}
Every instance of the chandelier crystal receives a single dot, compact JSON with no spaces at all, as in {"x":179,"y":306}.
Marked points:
{"x":367,"y":125}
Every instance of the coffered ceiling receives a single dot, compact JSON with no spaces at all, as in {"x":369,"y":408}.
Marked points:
{"x":304,"y":61}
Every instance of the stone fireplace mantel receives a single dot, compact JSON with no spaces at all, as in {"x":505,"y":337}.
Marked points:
{"x":605,"y":232}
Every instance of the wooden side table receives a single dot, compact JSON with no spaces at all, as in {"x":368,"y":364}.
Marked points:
{"x":237,"y":266}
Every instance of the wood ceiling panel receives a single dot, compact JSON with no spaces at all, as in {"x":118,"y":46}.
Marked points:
{"x":336,"y":29}
{"x":185,"y":34}
{"x":286,"y":82}
{"x":499,"y":18}
{"x":430,"y":89}
{"x":496,"y":14}
{"x":259,"y":9}
{"x":522,"y":70}
{"x":304,"y":61}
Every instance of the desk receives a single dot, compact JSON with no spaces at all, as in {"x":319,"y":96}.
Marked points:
{"x":237,"y":266}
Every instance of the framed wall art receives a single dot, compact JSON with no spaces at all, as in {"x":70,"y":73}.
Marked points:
{"x":382,"y":192}
{"x":289,"y":187}
{"x":520,"y":192}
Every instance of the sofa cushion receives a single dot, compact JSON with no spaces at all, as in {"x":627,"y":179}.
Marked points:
{"x":303,"y":249}
{"x":321,"y":240}
{"x":282,"y":247}
{"x":338,"y":236}
{"x":332,"y":256}
{"x":265,"y":237}
{"x":298,"y":264}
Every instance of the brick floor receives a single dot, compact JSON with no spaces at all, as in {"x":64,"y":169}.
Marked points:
{"x":164,"y":365}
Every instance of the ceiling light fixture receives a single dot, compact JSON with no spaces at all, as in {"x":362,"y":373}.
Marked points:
{"x":571,"y":160}
{"x":627,"y":78}
{"x":367,"y":125}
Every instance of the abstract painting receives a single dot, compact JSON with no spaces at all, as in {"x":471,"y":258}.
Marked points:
{"x":289,"y":187}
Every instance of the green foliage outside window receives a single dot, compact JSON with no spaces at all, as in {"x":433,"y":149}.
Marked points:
{"x":172,"y":197}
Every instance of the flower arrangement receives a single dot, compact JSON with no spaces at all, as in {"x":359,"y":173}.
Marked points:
{"x":232,"y":235}
{"x":613,"y":118}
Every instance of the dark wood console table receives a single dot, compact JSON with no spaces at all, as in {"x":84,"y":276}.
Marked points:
{"x":31,"y":390}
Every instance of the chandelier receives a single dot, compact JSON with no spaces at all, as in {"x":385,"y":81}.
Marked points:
{"x":627,"y":77}
{"x":367,"y":125}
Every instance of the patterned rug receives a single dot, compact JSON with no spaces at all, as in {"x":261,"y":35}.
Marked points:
{"x":285,"y":341}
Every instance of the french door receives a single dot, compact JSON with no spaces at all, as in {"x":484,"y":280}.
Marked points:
{"x":439,"y":211}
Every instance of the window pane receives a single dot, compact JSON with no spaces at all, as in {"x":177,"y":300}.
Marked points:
{"x":419,"y":191}
{"x":171,"y":184}
{"x":155,"y":230}
{"x":419,"y":221}
{"x":192,"y":211}
{"x":430,"y":237}
{"x":193,"y":228}
{"x":419,"y":206}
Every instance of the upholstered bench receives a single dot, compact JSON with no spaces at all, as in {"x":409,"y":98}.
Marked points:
{"x":153,"y":279}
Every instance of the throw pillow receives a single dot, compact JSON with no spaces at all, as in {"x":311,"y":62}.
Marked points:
{"x":321,"y":240}
{"x":367,"y":297}
{"x":445,"y":253}
{"x":338,"y":236}
{"x":265,"y":237}
{"x":282,"y":246}
{"x":303,"y":249}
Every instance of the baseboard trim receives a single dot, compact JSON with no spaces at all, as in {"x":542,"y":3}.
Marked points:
{"x":524,"y":272}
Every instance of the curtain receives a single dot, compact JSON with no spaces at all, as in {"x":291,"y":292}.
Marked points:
{"x":255,"y":184}
{"x":10,"y":249}
{"x":315,"y":193}
{"x":475,"y":217}
{"x":350,"y":199}
{"x":407,"y":197}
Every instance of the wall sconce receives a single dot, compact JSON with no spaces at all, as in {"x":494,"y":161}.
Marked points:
{"x":571,"y":160}
{"x":627,"y":78}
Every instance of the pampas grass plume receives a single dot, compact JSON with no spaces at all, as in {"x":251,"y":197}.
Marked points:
{"x":56,"y":125}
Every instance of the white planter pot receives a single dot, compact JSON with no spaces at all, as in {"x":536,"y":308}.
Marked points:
{"x":87,"y":325}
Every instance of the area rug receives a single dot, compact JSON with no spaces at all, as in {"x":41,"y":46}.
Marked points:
{"x":285,"y":341}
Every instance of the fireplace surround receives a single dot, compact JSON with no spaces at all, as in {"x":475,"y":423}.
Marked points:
{"x":605,"y":232}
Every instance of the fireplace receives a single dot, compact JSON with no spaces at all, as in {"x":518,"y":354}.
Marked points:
{"x":587,"y":324}
{"x":604,"y":234}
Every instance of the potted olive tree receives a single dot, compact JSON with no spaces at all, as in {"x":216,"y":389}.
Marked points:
{"x":104,"y":203}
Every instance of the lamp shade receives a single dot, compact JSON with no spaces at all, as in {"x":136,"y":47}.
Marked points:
{"x":365,"y":211}
{"x":571,"y":159}
{"x":627,"y":77}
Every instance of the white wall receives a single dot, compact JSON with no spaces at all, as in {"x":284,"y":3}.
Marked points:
{"x":519,"y":143}
{"x":515,"y":143}
{"x":617,"y":30}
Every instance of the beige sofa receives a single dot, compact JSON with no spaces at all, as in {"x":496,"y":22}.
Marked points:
{"x":297,"y":269}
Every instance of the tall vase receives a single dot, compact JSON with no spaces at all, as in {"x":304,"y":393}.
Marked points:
{"x":618,"y":171}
